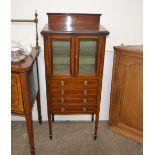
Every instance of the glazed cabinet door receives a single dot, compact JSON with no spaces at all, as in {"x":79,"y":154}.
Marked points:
{"x":87,"y":55}
{"x":61,"y":55}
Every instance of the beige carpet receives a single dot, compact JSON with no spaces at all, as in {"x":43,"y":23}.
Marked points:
{"x":72,"y":138}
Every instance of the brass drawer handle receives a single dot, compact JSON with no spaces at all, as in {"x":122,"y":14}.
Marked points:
{"x":62,"y":92}
{"x":62,"y":83}
{"x":62,"y":100}
{"x":85,"y":83}
{"x":85,"y":92}
{"x":84,"y":100}
{"x":62,"y":109}
{"x":84,"y":109}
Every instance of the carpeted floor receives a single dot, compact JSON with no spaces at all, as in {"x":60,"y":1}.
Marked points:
{"x":72,"y":138}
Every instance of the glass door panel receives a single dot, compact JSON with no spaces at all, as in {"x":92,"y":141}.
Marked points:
{"x":61,"y":56}
{"x":87,"y":56}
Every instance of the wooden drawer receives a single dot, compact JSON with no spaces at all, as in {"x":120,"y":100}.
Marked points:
{"x":73,"y":92}
{"x":62,"y":100}
{"x":73,"y":109}
{"x":73,"y":83}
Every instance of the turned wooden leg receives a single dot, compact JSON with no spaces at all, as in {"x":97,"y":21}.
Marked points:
{"x":96,"y":126}
{"x":50,"y":126}
{"x":39,"y":108}
{"x":29,"y":125}
{"x":92,"y":117}
{"x":52,"y":117}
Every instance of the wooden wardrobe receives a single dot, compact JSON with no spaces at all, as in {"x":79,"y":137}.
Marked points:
{"x":126,"y":106}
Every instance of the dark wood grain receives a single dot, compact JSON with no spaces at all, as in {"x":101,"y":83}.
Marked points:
{"x":73,"y":19}
{"x":126,"y":105}
{"x":74,"y":93}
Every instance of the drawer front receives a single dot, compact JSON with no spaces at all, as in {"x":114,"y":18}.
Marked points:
{"x":73,"y":83}
{"x":73,"y":92}
{"x":72,"y":110}
{"x":62,"y":100}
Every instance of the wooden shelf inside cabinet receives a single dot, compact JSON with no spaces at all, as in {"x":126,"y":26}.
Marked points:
{"x":74,"y":56}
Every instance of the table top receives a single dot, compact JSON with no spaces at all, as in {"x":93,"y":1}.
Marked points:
{"x":26,"y":64}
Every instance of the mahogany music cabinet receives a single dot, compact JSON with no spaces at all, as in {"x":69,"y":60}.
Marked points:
{"x":74,"y":47}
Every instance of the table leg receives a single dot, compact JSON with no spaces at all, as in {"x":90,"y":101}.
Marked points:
{"x":39,"y":108}
{"x":29,"y":125}
{"x":50,"y":126}
{"x":27,"y":110}
{"x":96,"y":125}
{"x":92,"y":118}
{"x":52,"y":117}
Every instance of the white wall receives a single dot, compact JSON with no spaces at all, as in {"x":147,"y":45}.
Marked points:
{"x":123,"y":18}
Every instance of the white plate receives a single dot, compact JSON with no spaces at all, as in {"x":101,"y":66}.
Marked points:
{"x":15,"y":49}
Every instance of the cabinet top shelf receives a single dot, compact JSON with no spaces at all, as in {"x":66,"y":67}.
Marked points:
{"x":74,"y":23}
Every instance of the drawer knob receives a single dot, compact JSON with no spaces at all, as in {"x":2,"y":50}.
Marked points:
{"x":85,"y":83}
{"x":62,"y":109}
{"x":84,"y":100}
{"x":62,"y":83}
{"x":62,"y":92}
{"x":84,"y":109}
{"x":62,"y":100}
{"x":85,"y":92}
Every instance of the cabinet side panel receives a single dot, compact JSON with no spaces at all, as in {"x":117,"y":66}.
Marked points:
{"x":16,"y":94}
